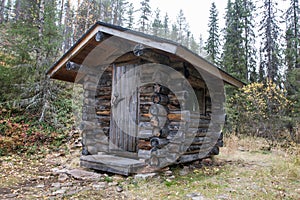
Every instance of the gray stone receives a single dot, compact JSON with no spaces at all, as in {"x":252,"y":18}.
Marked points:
{"x":57,"y":192}
{"x":11,"y":195}
{"x":40,"y":186}
{"x":114,"y":183}
{"x":119,"y":189}
{"x":222,"y":196}
{"x":92,"y":149}
{"x":99,"y":185}
{"x":55,"y":185}
{"x":102,"y":147}
{"x":195,"y":196}
{"x":172,"y":177}
{"x":168,"y":173}
{"x":90,"y":141}
{"x":68,"y":184}
{"x":57,"y":171}
{"x":145,"y":176}
{"x":62,"y":177}
{"x":198,"y":198}
{"x":72,"y":192}
{"x":84,"y":175}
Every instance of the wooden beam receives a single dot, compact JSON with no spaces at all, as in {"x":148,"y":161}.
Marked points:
{"x":145,"y":40}
{"x":207,"y":66}
{"x":73,"y":52}
{"x":154,"y":57}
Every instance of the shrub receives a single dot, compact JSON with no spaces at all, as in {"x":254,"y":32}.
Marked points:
{"x":259,"y":109}
{"x":23,"y":134}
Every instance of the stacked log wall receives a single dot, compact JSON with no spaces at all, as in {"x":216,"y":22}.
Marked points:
{"x":96,"y":112}
{"x":155,"y":144}
{"x":177,"y":144}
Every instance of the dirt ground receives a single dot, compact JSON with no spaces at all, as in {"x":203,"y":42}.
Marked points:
{"x":245,"y":169}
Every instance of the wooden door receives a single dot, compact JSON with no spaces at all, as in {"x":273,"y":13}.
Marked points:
{"x":124,"y":110}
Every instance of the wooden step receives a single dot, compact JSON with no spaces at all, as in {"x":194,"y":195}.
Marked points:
{"x":112,"y":163}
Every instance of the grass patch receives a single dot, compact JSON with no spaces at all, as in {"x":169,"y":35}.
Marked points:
{"x":243,"y":170}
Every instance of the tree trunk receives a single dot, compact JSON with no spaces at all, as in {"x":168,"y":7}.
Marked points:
{"x":17,"y":10}
{"x":2,"y":11}
{"x":61,"y":12}
{"x":87,"y":16}
{"x":40,"y":35}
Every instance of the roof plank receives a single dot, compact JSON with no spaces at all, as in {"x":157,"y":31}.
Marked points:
{"x":121,"y":41}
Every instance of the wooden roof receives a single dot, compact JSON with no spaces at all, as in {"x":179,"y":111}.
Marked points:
{"x":117,"y":46}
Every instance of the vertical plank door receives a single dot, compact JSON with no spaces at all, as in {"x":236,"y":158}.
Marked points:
{"x":123,"y":125}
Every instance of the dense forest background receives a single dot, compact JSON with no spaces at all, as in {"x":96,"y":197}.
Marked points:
{"x":35,"y":33}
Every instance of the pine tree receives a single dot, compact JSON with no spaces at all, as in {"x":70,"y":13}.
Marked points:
{"x":201,"y":50}
{"x":145,"y":15}
{"x":174,"y":33}
{"x":213,"y":43}
{"x":182,"y":26}
{"x":233,"y":58}
{"x":293,"y":35}
{"x":130,"y":17}
{"x":166,"y":26}
{"x":157,"y":24}
{"x":84,"y":16}
{"x":270,"y":33}
{"x":17,"y":9}
{"x":194,"y":46}
{"x":61,"y":11}
{"x":261,"y":72}
{"x":2,"y":11}
{"x":68,"y":26}
{"x":292,"y":53}
{"x":119,"y":10}
{"x":7,"y":10}
{"x":106,"y":11}
{"x":249,"y":39}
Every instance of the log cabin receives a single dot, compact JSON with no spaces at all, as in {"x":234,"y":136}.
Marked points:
{"x":148,"y":102}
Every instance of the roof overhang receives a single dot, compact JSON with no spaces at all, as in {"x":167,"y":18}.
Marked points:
{"x":116,"y":38}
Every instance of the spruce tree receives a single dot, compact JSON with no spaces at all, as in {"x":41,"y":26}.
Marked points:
{"x":201,"y":50}
{"x":270,"y":33}
{"x":233,"y":57}
{"x":130,"y":17}
{"x":106,"y":15}
{"x":68,"y":25}
{"x":213,"y":43}
{"x":292,"y":55}
{"x":7,"y":11}
{"x":145,"y":11}
{"x":166,"y":26}
{"x":249,"y":39}
{"x":182,"y":26}
{"x":293,"y":35}
{"x":194,"y":46}
{"x":157,"y":24}
{"x":174,"y":35}
{"x":119,"y":10}
{"x":2,"y":11}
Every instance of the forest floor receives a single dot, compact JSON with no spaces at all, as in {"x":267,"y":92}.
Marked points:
{"x":245,"y":169}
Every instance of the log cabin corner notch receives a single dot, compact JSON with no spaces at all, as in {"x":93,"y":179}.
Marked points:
{"x":101,"y":61}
